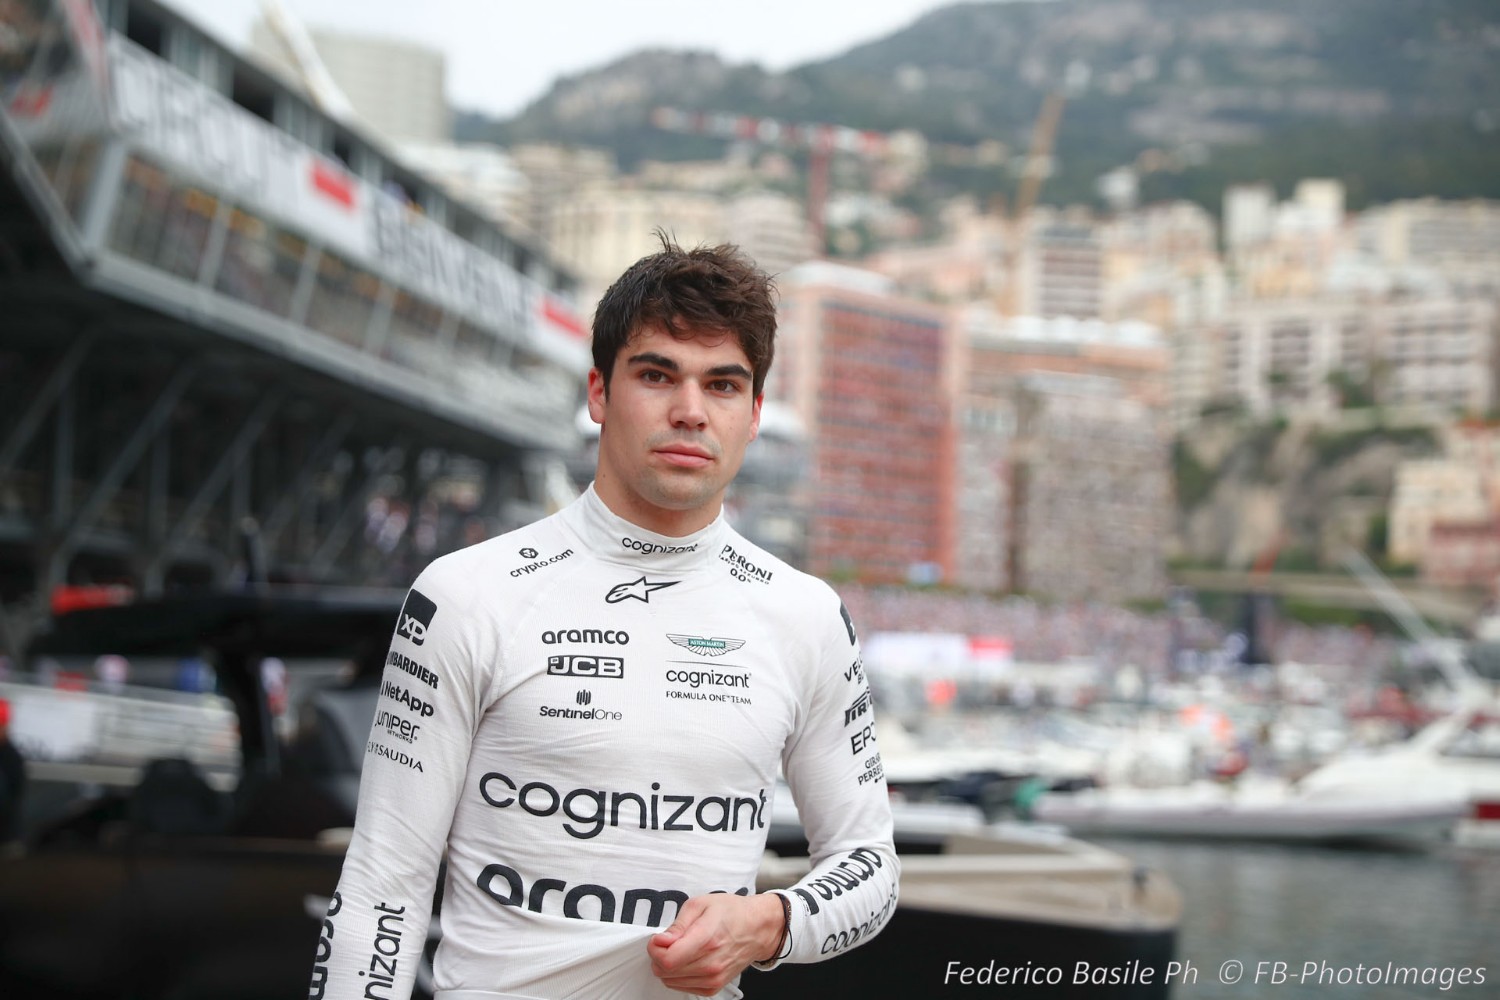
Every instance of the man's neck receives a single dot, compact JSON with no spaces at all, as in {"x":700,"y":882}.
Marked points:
{"x":649,"y":517}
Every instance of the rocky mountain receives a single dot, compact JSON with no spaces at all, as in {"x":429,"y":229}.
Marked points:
{"x":1398,"y":97}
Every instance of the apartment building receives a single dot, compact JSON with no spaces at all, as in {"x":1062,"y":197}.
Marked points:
{"x":1091,"y":491}
{"x":867,"y":373}
{"x":1060,"y":271}
{"x":1031,"y":397}
{"x":1283,"y":355}
{"x":603,"y":229}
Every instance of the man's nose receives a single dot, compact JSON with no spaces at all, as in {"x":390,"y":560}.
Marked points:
{"x":688,"y":409}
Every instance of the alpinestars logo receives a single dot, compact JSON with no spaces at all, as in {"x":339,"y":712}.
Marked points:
{"x":706,"y":647}
{"x":416,"y":617}
{"x":641,"y":590}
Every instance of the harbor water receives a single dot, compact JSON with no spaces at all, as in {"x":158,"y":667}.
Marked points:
{"x":1299,"y":922}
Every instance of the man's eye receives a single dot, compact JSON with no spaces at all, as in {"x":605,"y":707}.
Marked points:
{"x":653,"y":376}
{"x":725,"y":385}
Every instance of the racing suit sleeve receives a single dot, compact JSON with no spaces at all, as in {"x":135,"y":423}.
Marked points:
{"x":838,"y":783}
{"x":414,"y":763}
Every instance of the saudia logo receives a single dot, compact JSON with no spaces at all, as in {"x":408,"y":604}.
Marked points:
{"x":640,"y":590}
{"x":706,"y":647}
{"x":416,"y":617}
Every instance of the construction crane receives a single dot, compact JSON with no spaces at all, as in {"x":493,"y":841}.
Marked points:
{"x":1033,"y":172}
{"x":819,"y":141}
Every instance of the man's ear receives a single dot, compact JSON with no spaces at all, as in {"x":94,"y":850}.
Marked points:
{"x":755,"y":417}
{"x":597,"y":396}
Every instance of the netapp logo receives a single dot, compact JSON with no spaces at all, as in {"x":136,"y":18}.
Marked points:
{"x":743,"y":569}
{"x":573,"y":665}
{"x":533,"y":567}
{"x":706,"y":647}
{"x":656,"y":548}
{"x":607,"y":636}
{"x":402,"y":696}
{"x":504,"y":885}
{"x":416,"y":617}
{"x":410,"y":666}
{"x":860,"y":707}
{"x":589,"y":810}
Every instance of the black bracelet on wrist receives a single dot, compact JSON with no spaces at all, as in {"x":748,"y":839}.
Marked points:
{"x":786,"y":930}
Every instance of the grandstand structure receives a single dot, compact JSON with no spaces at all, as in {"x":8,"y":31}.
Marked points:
{"x":238,"y":333}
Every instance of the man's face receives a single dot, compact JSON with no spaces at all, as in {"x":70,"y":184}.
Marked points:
{"x":673,"y":428}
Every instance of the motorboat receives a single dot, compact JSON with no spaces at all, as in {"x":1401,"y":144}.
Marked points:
{"x":1260,"y":809}
{"x":1051,"y":911}
{"x":1458,"y":755}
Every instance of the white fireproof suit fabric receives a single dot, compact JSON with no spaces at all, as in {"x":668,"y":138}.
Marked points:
{"x":589,"y":718}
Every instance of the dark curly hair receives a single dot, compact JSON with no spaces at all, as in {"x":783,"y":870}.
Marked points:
{"x":688,"y":292}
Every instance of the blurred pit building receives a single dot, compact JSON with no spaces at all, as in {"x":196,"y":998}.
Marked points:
{"x":240,"y":332}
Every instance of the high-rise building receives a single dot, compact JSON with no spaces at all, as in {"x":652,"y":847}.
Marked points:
{"x":1061,"y":267}
{"x":1091,"y":491}
{"x":772,"y":228}
{"x":396,"y":87}
{"x":868,"y":374}
{"x":1061,"y":480}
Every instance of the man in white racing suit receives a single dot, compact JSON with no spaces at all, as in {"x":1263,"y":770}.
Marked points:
{"x":587,"y":715}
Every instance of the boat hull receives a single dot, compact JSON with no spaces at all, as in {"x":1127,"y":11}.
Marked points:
{"x":923,"y":952}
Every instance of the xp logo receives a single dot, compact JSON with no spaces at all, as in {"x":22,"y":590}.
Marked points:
{"x":586,"y":666}
{"x":416,"y":617}
{"x":706,"y":647}
{"x":583,"y":697}
{"x":640,"y":590}
{"x":528,"y":553}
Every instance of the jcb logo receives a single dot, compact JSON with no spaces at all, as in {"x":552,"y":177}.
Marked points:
{"x":586,"y":666}
{"x":416,"y":617}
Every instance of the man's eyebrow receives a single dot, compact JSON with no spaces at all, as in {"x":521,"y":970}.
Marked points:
{"x":734,"y":369}
{"x":652,"y":358}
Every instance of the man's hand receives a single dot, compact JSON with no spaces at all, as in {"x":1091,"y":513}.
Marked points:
{"x":714,"y":938}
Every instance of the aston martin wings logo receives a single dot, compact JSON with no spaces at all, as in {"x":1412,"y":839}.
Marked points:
{"x":639,"y":589}
{"x":706,"y":647}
